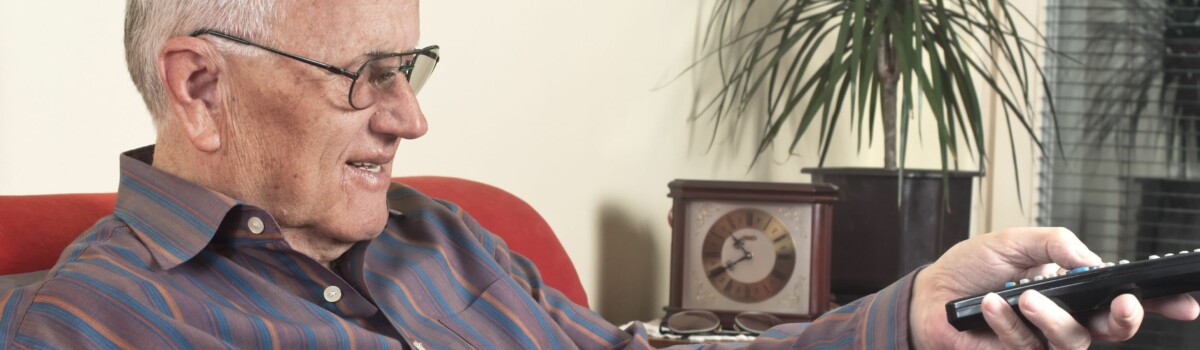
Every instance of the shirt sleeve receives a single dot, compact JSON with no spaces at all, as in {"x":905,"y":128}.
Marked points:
{"x":585,"y":328}
{"x":14,"y":300}
{"x":876,"y":321}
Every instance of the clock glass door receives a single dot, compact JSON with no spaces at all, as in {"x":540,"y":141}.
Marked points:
{"x":748,"y":256}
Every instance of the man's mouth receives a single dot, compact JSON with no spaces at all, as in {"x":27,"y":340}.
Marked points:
{"x":368,"y":166}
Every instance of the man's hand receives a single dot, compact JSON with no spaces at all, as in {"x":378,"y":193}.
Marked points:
{"x":984,"y":263}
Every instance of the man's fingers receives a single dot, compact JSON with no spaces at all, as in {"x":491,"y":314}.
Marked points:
{"x":1176,"y":307}
{"x":1121,"y":322}
{"x":1060,"y":328}
{"x":1013,"y":333}
{"x":1126,"y":313}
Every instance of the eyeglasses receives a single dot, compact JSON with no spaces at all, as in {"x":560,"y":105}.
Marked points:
{"x":699,"y":322}
{"x":378,"y":74}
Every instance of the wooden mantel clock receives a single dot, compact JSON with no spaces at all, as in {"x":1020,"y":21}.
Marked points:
{"x":751,"y":246}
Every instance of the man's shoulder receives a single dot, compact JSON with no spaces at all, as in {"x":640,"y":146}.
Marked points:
{"x":93,"y":299}
{"x":407,"y":204}
{"x":109,"y":242}
{"x":98,"y":279}
{"x":108,"y":253}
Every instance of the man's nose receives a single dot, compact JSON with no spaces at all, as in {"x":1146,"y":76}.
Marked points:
{"x":399,"y":114}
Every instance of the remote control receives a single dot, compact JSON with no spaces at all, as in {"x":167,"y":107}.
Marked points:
{"x":1086,"y":289}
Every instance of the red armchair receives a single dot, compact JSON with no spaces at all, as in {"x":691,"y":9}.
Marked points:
{"x":35,"y":229}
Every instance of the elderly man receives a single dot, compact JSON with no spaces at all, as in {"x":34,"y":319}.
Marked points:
{"x":263,"y":217}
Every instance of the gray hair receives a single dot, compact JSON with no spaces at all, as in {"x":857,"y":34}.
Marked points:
{"x":149,"y":23}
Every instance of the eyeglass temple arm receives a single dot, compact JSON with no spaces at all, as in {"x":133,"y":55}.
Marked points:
{"x":331,"y":68}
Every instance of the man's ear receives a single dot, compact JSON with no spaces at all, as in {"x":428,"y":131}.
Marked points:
{"x":190,"y":75}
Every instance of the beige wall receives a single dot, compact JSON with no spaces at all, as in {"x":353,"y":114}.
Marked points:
{"x":570,"y":105}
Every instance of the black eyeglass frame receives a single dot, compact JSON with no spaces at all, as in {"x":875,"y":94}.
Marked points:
{"x":428,"y":51}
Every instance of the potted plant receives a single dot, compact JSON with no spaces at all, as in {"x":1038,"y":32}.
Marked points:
{"x":791,"y":66}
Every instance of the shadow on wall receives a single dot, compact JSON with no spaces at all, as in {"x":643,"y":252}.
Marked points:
{"x":631,"y":270}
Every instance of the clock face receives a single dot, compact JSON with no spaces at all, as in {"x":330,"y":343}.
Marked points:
{"x":749,"y":255}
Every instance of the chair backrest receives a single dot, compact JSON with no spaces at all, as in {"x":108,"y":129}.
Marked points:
{"x":35,"y":229}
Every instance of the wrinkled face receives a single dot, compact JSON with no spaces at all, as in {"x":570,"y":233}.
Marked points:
{"x":299,"y":150}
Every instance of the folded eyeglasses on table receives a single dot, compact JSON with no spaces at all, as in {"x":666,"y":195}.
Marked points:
{"x":704,"y":322}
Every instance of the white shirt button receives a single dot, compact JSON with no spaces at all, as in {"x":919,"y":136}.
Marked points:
{"x":255,"y":224}
{"x":333,"y":294}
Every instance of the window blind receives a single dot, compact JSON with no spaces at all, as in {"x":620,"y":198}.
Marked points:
{"x":1124,"y":170}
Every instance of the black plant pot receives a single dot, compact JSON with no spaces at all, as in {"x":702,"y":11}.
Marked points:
{"x":878,"y":238}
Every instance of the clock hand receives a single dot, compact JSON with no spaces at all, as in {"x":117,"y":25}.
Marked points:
{"x":740,"y":244}
{"x":718,"y":271}
{"x":745,"y":256}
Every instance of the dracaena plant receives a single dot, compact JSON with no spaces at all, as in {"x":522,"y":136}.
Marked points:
{"x":789,"y":66}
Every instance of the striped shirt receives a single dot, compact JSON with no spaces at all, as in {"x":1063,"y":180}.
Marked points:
{"x":180,"y":266}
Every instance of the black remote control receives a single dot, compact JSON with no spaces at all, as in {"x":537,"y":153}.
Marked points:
{"x":1086,"y":289}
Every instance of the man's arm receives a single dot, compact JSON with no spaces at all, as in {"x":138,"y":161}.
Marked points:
{"x":14,"y":299}
{"x":984,"y":263}
{"x":585,"y":328}
{"x":877,"y":321}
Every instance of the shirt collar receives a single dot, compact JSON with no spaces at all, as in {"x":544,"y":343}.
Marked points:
{"x":177,"y":218}
{"x":174,"y":217}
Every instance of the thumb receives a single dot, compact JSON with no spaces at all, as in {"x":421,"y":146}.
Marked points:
{"x":1035,"y":246}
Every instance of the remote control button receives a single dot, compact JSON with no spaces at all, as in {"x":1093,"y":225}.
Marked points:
{"x":1109,"y":264}
{"x":1122,"y":262}
{"x":1009,"y":284}
{"x":1183,"y":252}
{"x":1168,"y":254}
{"x":1024,"y":280}
{"x":1077,"y":270}
{"x":1152,"y":257}
{"x":1196,"y":251}
{"x":1038,"y":278}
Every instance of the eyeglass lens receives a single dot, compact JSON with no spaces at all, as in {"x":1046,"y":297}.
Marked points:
{"x":756,"y":322}
{"x":379,"y":77}
{"x":693,"y":322}
{"x":703,"y":321}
